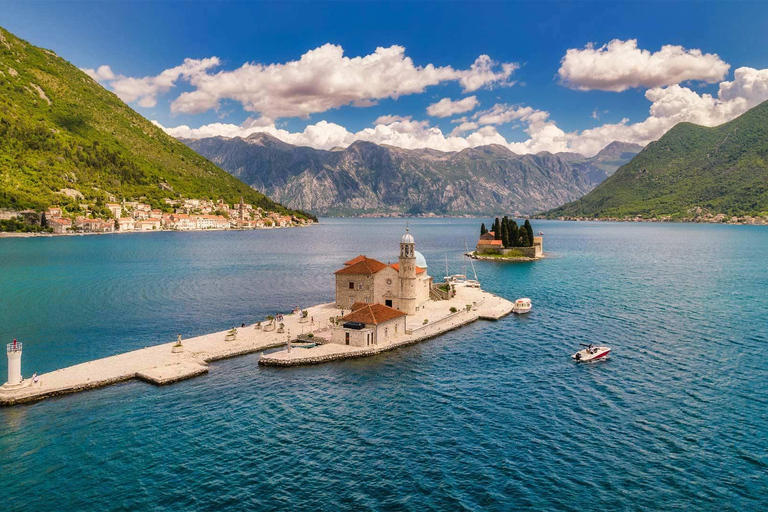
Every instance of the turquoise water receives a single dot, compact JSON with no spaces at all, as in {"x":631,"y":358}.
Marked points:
{"x":493,"y":416}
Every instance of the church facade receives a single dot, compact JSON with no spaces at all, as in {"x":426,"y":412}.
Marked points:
{"x":404,"y":285}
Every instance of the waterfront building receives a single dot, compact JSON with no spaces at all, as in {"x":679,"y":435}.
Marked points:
{"x":59,"y":226}
{"x":149,"y":225}
{"x":126,"y":224}
{"x":211,"y":222}
{"x":403,"y":286}
{"x":369,"y":324}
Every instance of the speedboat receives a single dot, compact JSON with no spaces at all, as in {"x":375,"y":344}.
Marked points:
{"x":522,"y":306}
{"x":591,"y":353}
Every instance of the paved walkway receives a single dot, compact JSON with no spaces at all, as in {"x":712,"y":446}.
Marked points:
{"x":159,"y":364}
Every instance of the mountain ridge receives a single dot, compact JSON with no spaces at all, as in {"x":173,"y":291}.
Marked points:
{"x":366,"y":177}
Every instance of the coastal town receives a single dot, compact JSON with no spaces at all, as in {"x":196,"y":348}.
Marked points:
{"x":136,"y":216}
{"x":378,"y":307}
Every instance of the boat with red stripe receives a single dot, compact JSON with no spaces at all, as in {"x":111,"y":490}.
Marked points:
{"x":591,"y":353}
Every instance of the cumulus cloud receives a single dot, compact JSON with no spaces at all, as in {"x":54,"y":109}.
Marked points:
{"x":446,"y":107}
{"x":621,"y":65}
{"x":144,"y":91}
{"x":464,"y":127}
{"x":102,"y":74}
{"x":320,"y":80}
{"x":668,"y":106}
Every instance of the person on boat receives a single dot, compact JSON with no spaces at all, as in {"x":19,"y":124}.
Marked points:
{"x":591,"y":349}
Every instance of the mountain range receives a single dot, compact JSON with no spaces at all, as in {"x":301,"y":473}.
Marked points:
{"x":65,"y":140}
{"x":373,"y":178}
{"x":691,"y":173}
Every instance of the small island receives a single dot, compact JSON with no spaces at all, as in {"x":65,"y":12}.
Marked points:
{"x":508,"y":242}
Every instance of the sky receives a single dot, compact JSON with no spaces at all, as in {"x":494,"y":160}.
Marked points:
{"x":542,"y":76}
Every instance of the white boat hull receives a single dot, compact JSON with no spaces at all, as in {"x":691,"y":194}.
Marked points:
{"x":584,"y":356}
{"x":521,"y":311}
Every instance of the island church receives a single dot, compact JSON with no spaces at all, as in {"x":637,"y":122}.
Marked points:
{"x":403,"y":286}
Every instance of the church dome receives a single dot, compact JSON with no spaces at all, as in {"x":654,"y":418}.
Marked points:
{"x":407,"y":238}
{"x":421,"y":261}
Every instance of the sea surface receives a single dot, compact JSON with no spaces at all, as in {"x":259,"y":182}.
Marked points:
{"x":493,"y":416}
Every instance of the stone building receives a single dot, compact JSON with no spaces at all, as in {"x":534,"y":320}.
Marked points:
{"x":368,"y":325}
{"x":403,"y":286}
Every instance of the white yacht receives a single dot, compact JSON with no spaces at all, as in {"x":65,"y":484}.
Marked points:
{"x":522,"y":306}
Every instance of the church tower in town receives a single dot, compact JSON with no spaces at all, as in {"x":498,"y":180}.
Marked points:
{"x":407,"y":274}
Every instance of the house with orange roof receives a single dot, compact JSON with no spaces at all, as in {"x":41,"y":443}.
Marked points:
{"x":368,"y":325}
{"x":59,"y":225}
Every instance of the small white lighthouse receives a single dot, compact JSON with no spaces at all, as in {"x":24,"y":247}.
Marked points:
{"x":14,"y":363}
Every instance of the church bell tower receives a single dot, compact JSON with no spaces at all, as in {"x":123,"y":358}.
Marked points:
{"x":407,"y":274}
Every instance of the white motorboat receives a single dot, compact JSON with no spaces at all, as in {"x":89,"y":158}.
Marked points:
{"x":591,"y":353}
{"x":522,"y":306}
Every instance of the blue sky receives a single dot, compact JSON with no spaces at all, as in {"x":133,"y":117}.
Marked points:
{"x":143,"y":39}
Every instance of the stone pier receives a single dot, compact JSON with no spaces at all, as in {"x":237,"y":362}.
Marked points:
{"x":169,"y":362}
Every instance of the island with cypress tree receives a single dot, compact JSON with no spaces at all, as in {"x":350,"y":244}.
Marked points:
{"x":507,"y":241}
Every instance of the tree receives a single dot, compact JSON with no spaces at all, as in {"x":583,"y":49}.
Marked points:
{"x":524,"y":242}
{"x":483,"y":229}
{"x":497,"y":229}
{"x":529,"y":229}
{"x":513,"y":234}
{"x":505,"y":232}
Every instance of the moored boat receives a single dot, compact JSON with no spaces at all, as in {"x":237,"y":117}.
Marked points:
{"x":522,"y":306}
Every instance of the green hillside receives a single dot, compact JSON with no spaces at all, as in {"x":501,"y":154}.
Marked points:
{"x":61,"y":132}
{"x":691,"y":171}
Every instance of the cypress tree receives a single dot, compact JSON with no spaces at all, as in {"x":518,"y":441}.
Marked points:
{"x":524,"y":242}
{"x":529,"y":229}
{"x":483,"y":230}
{"x":504,"y":232}
{"x":513,"y":234}
{"x":497,"y":229}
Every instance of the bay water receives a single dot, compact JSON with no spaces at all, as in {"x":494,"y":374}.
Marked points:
{"x":493,"y":416}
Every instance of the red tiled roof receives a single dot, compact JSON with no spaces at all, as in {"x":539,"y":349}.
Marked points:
{"x":354,"y":260}
{"x":489,"y":242}
{"x":373,"y":314}
{"x":396,"y":266}
{"x":358,"y":305}
{"x":366,"y":266}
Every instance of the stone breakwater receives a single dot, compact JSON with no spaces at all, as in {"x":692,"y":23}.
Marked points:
{"x":160,"y":364}
{"x":167,"y":363}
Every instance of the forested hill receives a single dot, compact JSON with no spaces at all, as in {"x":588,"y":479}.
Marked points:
{"x":692,"y":172}
{"x":63,"y":136}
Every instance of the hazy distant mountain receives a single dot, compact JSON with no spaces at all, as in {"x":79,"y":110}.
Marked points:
{"x":372,"y":178}
{"x":690,"y":172}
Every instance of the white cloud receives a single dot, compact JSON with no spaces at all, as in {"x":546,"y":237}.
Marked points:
{"x":389,"y":119}
{"x":322,"y":79}
{"x":144,"y":91}
{"x":669,"y":106}
{"x":482,"y":74}
{"x":447,"y":107}
{"x":464,"y":127}
{"x":621,"y":65}
{"x":102,"y":74}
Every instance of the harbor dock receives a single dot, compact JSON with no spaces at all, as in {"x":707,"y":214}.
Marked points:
{"x":166,"y":363}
